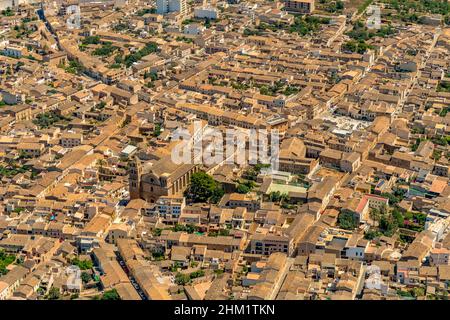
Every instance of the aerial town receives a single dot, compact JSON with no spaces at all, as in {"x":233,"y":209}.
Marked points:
{"x":353,"y":95}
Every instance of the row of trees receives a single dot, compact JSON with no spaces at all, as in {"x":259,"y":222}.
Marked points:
{"x":12,"y":170}
{"x":135,"y":57}
{"x":420,"y":6}
{"x":412,"y":10}
{"x":355,"y":46}
{"x":183,"y":279}
{"x":245,"y":187}
{"x":106,"y":49}
{"x":145,"y":11}
{"x":8,"y":12}
{"x":305,"y":25}
{"x":360,"y":32}
{"x":278,"y":88}
{"x":82,"y":264}
{"x":189,"y":228}
{"x":73,"y":67}
{"x":5,"y":260}
{"x":47,"y":119}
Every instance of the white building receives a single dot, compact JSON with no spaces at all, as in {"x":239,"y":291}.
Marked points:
{"x":206,"y":12}
{"x":166,"y":6}
{"x":439,"y":256}
{"x":128,"y":151}
{"x":171,"y":206}
{"x":356,"y":247}
{"x":194,"y":29}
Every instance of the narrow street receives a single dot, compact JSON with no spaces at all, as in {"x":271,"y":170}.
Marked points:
{"x":132,"y":280}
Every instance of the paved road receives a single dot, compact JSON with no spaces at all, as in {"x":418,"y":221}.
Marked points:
{"x":132,"y":280}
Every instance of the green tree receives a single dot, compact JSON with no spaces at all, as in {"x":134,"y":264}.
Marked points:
{"x":277,"y":196}
{"x":91,"y":40}
{"x":197,"y":274}
{"x":5,"y":260}
{"x":134,"y":57}
{"x":110,"y":295}
{"x":157,"y":232}
{"x":207,"y":23}
{"x":371,"y":234}
{"x":242,"y":188}
{"x":189,"y":228}
{"x":54,"y":294}
{"x":253,"y":172}
{"x":158,"y":255}
{"x":245,"y":187}
{"x":395,"y":197}
{"x":82,"y":264}
{"x":182,"y":279}
{"x":396,"y":214}
{"x":46,"y":120}
{"x":388,"y":225}
{"x":347,"y":220}
{"x":145,"y":11}
{"x":356,"y":46}
{"x":224,"y":232}
{"x":203,"y":188}
{"x":157,"y":130}
{"x":85,"y":277}
{"x":118,"y":59}
{"x":375,"y":214}
{"x":105,"y":50}
{"x":417,"y":292}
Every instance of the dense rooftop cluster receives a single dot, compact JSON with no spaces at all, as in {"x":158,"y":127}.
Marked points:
{"x":93,"y":205}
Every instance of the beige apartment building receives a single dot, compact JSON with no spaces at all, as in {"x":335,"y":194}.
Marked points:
{"x":71,"y":139}
{"x":300,"y":6}
{"x":31,"y":149}
{"x":266,"y":244}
